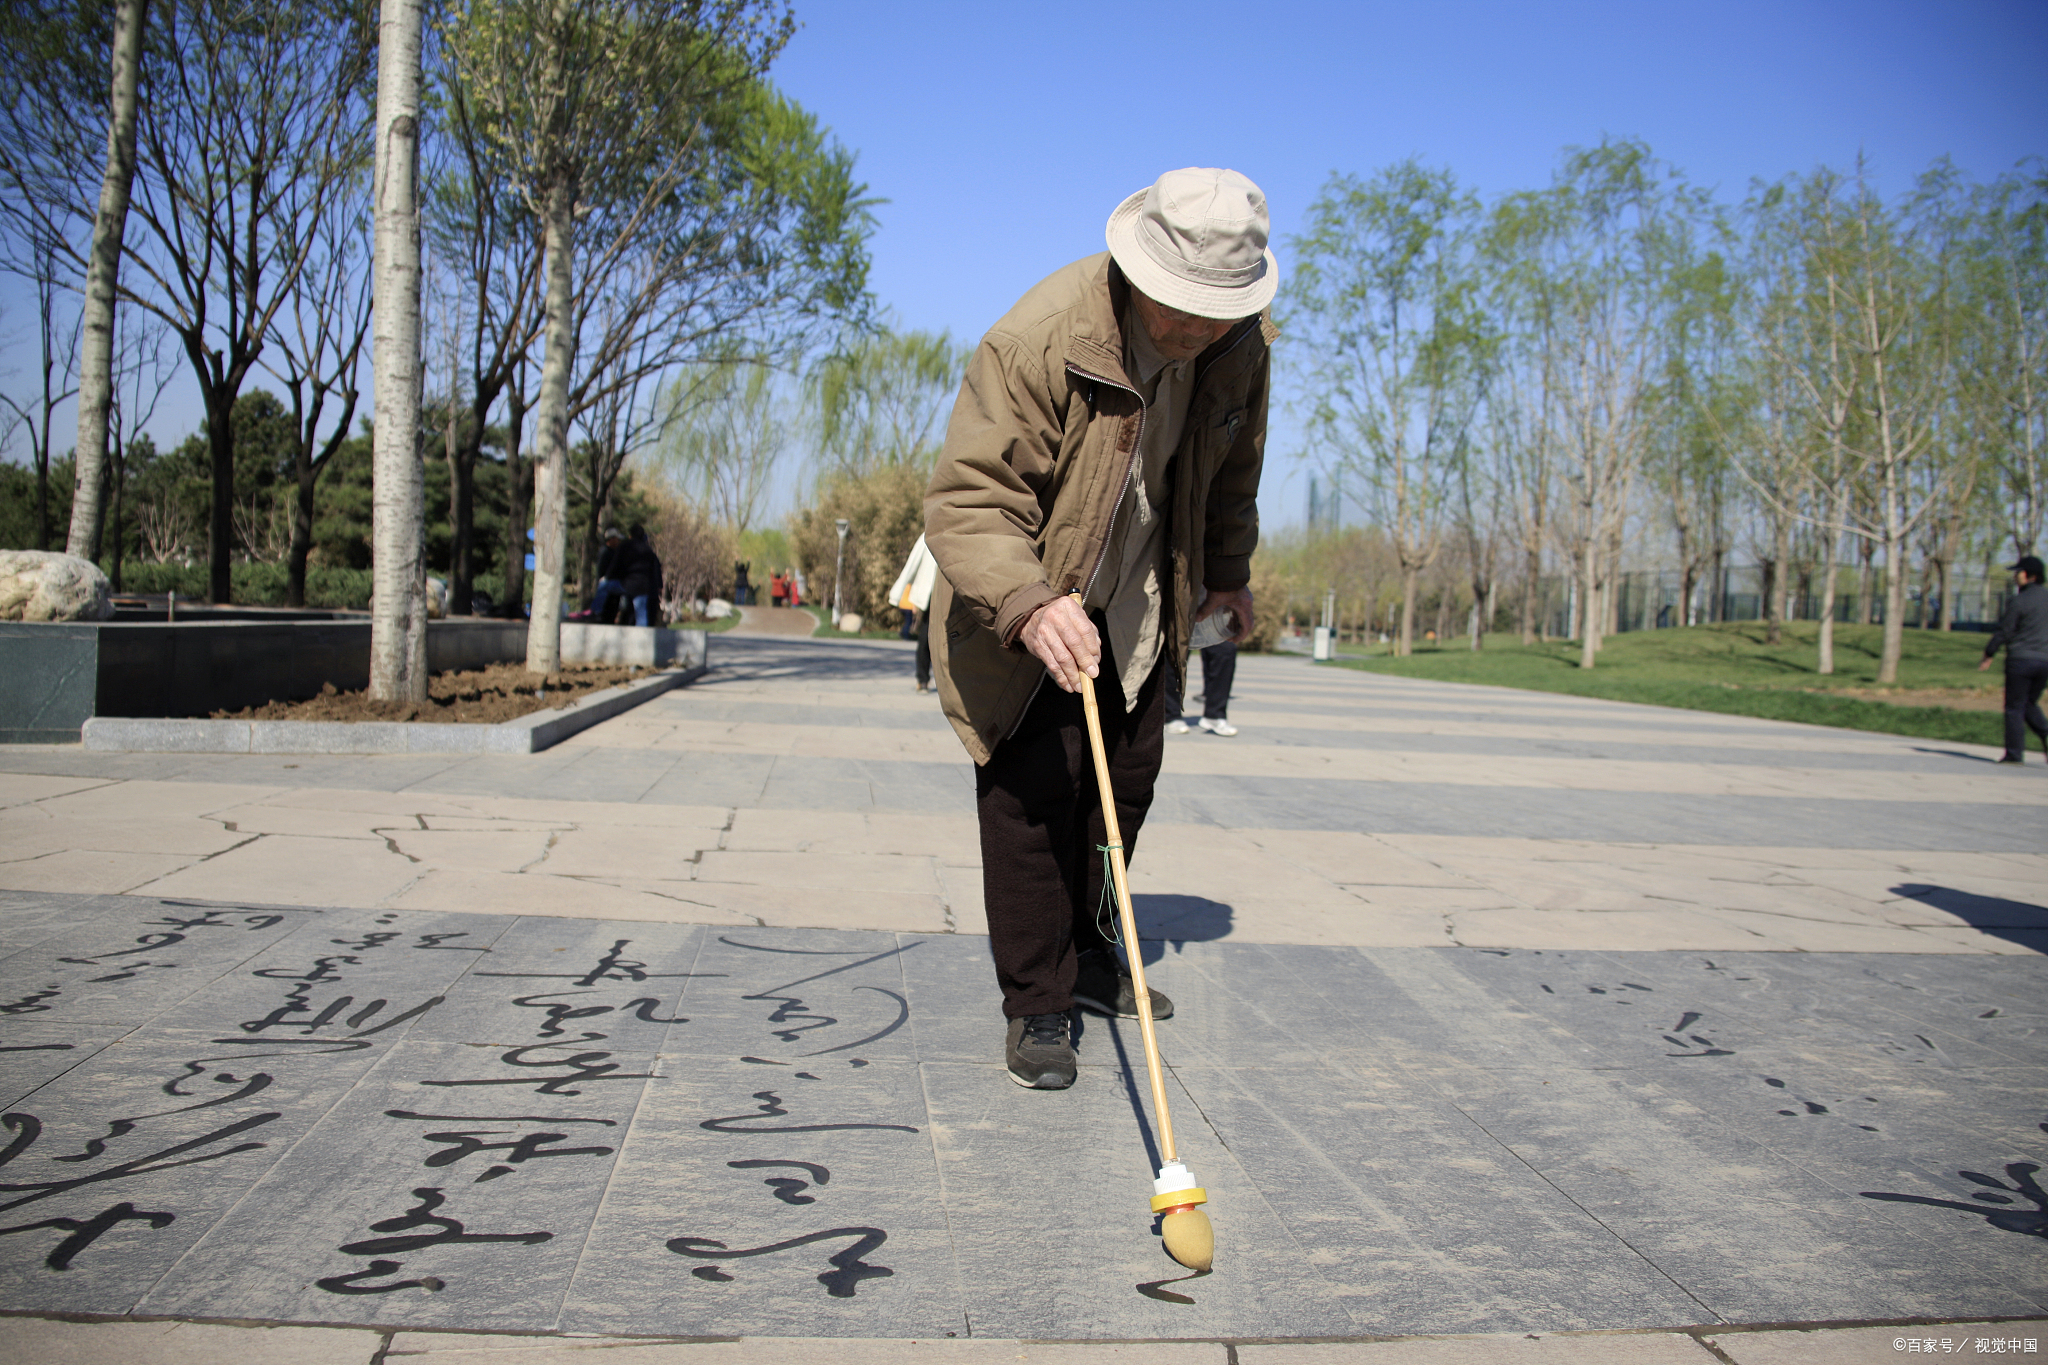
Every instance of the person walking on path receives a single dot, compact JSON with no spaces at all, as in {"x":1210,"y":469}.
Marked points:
{"x":912,"y":594}
{"x":778,"y":590}
{"x":1219,"y":671}
{"x":1106,"y":443}
{"x":2023,"y":632}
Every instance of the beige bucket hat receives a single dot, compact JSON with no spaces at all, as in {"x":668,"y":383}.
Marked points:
{"x":1196,"y":240}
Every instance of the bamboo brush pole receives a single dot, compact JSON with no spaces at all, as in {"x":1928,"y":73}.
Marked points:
{"x":1130,"y":923}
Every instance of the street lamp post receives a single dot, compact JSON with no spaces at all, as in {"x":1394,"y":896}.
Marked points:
{"x":839,"y":574}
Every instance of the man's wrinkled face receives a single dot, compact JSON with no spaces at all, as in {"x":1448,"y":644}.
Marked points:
{"x":1177,"y":335}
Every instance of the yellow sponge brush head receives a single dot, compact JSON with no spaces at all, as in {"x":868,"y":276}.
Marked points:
{"x":1189,"y":1238}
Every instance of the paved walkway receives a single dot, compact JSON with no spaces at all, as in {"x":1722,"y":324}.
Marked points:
{"x":776,"y":621}
{"x":1512,"y":1027}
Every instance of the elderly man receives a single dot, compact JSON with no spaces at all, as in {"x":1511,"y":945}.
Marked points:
{"x":1106,"y":445}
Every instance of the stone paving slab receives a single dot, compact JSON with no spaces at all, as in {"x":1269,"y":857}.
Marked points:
{"x":463,"y":1122}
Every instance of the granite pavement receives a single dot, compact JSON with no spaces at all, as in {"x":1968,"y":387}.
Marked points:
{"x":1512,"y":1027}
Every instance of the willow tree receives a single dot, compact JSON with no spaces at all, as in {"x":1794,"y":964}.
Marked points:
{"x":1384,"y":308}
{"x":881,"y":400}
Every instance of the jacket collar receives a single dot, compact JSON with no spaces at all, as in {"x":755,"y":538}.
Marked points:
{"x":1096,"y":345}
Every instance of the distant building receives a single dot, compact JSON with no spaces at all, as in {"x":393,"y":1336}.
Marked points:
{"x":1325,"y":503}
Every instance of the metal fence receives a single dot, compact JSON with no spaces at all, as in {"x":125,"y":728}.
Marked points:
{"x":1656,"y":600}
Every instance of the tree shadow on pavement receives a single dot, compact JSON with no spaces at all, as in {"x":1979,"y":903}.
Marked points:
{"x":2015,"y":921}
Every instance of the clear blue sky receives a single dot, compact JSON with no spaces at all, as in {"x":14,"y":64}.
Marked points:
{"x":1002,"y":135}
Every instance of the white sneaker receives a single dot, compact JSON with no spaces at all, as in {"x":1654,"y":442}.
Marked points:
{"x":1218,"y":727}
{"x":1176,"y":726}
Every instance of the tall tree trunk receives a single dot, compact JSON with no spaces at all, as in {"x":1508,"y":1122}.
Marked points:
{"x":120,"y":482}
{"x":1894,"y":592}
{"x":1867,"y":549}
{"x":1833,"y":564}
{"x":1589,"y":600}
{"x":1532,"y":585}
{"x":220,"y":525}
{"x":551,"y":459}
{"x":1777,"y":578}
{"x":518,"y":500}
{"x":1948,"y":606}
{"x":302,"y":535}
{"x":110,"y":223}
{"x":398,"y":627}
{"x":1894,"y":617}
{"x":462,"y":501}
{"x":1404,"y":642}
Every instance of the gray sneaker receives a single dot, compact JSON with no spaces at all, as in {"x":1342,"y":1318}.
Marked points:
{"x":1102,"y":986}
{"x":1041,"y":1052}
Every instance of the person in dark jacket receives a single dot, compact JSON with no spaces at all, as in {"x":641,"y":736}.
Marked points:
{"x":2023,"y":632}
{"x":603,"y":605}
{"x":640,"y":575}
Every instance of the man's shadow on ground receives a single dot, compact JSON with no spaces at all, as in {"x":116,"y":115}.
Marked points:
{"x":1175,"y":921}
{"x":1955,"y":753}
{"x":2015,"y":921}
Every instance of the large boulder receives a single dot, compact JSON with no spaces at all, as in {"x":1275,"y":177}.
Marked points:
{"x":43,"y":585}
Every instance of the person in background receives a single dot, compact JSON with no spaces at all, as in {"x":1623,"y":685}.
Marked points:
{"x":640,"y":575}
{"x":2023,"y":633}
{"x":1219,"y":671}
{"x":608,"y":586}
{"x":778,"y":589}
{"x":912,"y":594}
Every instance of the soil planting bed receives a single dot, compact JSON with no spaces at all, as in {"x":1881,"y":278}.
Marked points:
{"x":483,"y":696}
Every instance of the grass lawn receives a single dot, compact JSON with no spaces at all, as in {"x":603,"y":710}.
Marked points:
{"x":1729,"y":668}
{"x":725,"y":622}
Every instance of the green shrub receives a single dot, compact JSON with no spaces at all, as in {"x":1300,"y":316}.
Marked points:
{"x":254,"y":585}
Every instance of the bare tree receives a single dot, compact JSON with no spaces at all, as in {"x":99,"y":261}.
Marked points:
{"x":482,"y":227}
{"x":57,"y":331}
{"x":318,"y":356}
{"x":729,"y":425}
{"x":140,"y":376}
{"x":881,"y":399}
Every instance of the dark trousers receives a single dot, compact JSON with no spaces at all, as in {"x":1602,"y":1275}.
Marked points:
{"x":924,"y":649}
{"x":2024,"y":679}
{"x":1041,"y":827}
{"x":1219,"y":672}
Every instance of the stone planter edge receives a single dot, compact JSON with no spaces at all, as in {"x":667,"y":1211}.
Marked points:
{"x":526,"y":735}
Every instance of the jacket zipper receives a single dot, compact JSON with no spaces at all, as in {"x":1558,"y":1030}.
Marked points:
{"x":1137,"y":452}
{"x":1137,"y":449}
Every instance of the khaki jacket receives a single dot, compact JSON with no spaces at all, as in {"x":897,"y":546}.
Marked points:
{"x":1038,"y":453}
